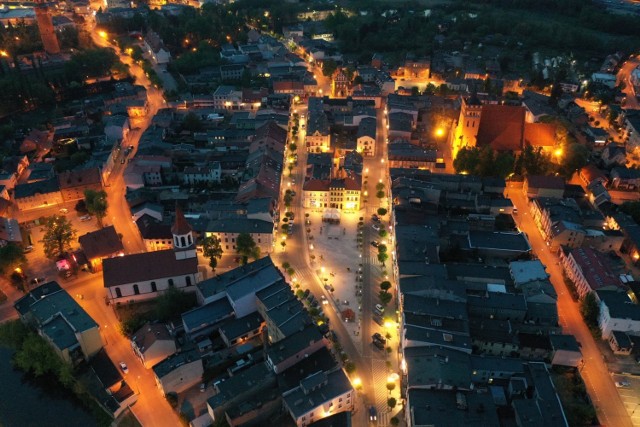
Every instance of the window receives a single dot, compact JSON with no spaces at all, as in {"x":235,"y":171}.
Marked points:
{"x":136,"y":291}
{"x":118,"y":293}
{"x":154,"y":288}
{"x":183,"y":242}
{"x":171,"y":283}
{"x":188,"y":280}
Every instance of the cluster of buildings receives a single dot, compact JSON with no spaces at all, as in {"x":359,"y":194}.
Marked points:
{"x":478,"y":316}
{"x":253,"y":347}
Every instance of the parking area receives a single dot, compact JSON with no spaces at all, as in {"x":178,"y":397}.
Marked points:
{"x":629,"y":391}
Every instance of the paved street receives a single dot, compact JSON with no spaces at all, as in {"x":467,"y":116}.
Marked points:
{"x":624,"y":77}
{"x":600,"y":386}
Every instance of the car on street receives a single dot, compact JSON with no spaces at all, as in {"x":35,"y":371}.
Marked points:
{"x":203,"y":387}
{"x":376,"y":227}
{"x":375,"y":244}
{"x":375,"y":218}
{"x":124,"y":368}
{"x":373,"y":413}
{"x":324,"y":299}
{"x":64,"y":210}
{"x":378,"y":337}
{"x":38,"y":280}
{"x":85,"y":218}
{"x":379,"y":308}
{"x":28,"y":249}
{"x":623,"y":384}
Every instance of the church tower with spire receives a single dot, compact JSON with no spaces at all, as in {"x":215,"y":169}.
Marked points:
{"x":184,"y":244}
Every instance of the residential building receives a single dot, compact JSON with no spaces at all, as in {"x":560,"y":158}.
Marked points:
{"x":61,"y":321}
{"x":35,"y":195}
{"x":155,"y":234}
{"x":241,"y":330}
{"x":227,"y":231}
{"x":543,"y":186}
{"x":318,"y":135}
{"x":619,"y":312}
{"x":209,"y":174}
{"x":152,"y":344}
{"x":73,"y":183}
{"x":145,"y":275}
{"x":318,"y":396}
{"x":154,"y":46}
{"x":403,"y":154}
{"x":100,"y":244}
{"x":179,"y":371}
{"x":294,"y":348}
{"x":9,"y":231}
{"x":443,"y":408}
{"x":366,"y":136}
{"x":588,"y":269}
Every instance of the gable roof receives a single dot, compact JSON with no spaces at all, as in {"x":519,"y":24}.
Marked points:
{"x":101,"y":243}
{"x":540,"y":134}
{"x":501,"y":127}
{"x":146,"y":266}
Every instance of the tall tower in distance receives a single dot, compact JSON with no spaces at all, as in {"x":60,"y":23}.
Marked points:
{"x":45,"y":26}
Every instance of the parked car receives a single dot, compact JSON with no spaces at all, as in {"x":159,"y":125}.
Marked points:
{"x":324,"y":299}
{"x":375,"y":218}
{"x":85,"y":218}
{"x":623,"y":384}
{"x":378,"y":337}
{"x":379,"y":308}
{"x":375,"y":244}
{"x":373,"y":413}
{"x":376,"y":227}
{"x":203,"y":387}
{"x":64,"y":210}
{"x":28,"y":249}
{"x":38,"y":280}
{"x":124,"y":368}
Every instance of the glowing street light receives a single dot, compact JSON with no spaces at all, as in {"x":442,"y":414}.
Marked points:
{"x":357,"y":382}
{"x":558,"y":152}
{"x":439,"y":132}
{"x":103,"y":34}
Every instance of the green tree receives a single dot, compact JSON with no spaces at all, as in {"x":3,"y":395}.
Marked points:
{"x":96,"y":203}
{"x":37,"y":357}
{"x":379,"y":186}
{"x":590,"y":311}
{"x":394,"y":421}
{"x":632,"y":209}
{"x":385,"y":286}
{"x":171,"y":302}
{"x":211,"y":249}
{"x":246,"y":246}
{"x":382,"y":249}
{"x":383,"y":257}
{"x":383,"y":233}
{"x":391,"y":402}
{"x":380,"y":194}
{"x":58,"y":236}
{"x":574,"y":157}
{"x":11,"y":256}
{"x":192,"y":122}
{"x":293,"y":147}
{"x":385,"y":297}
{"x":329,"y":67}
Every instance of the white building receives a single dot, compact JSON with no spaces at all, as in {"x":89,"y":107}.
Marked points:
{"x":618,"y":312}
{"x":146,"y":275}
{"x":202,"y":174}
{"x":319,"y":396}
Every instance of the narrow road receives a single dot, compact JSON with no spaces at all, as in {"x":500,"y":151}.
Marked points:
{"x":600,"y":386}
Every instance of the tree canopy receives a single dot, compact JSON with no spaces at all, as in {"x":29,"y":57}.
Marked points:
{"x":212,"y":250}
{"x":483,"y":162}
{"x":58,"y":236}
{"x":246,"y":246}
{"x":96,"y":204}
{"x":11,"y":256}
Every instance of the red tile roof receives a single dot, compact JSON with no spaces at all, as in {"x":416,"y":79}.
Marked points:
{"x":540,"y":134}
{"x":548,"y":182}
{"x":180,"y":226}
{"x":316,"y":185}
{"x":595,"y":268}
{"x":501,"y":127}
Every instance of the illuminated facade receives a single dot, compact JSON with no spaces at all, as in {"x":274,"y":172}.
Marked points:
{"x":47,"y":32}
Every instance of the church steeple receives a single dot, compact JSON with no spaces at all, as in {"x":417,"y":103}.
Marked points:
{"x":183,"y":241}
